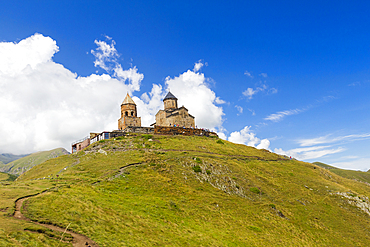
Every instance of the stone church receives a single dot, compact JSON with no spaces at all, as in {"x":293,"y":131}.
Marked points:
{"x":128,"y":114}
{"x":172,"y":115}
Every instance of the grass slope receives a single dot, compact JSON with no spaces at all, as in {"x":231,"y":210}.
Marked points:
{"x":350,"y":174}
{"x":22,"y":233}
{"x":22,"y":165}
{"x":7,"y":177}
{"x":192,"y":191}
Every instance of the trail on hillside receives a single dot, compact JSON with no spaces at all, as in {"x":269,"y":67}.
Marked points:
{"x":79,"y":240}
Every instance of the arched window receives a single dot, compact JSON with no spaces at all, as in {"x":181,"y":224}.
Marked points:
{"x":132,"y":113}
{"x":126,"y":113}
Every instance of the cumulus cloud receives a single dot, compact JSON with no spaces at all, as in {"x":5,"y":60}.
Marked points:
{"x":280,"y":115}
{"x":28,"y":53}
{"x":247,"y":137}
{"x":198,"y":66}
{"x":192,"y":92}
{"x":44,"y":105}
{"x":106,"y":57}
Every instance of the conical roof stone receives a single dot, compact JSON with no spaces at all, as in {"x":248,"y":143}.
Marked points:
{"x":128,"y":100}
{"x":169,"y":96}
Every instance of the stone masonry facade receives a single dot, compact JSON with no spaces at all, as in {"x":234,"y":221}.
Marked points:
{"x":128,"y":114}
{"x":172,"y":115}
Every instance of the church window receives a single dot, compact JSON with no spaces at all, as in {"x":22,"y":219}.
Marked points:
{"x":126,"y":113}
{"x":132,"y":113}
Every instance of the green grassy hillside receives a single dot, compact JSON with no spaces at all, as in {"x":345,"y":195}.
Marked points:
{"x":7,"y":177}
{"x":22,"y":165}
{"x":190,"y":191}
{"x":350,"y":174}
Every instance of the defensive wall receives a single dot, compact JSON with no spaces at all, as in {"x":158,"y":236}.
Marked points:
{"x":158,"y":130}
{"x":165,"y":130}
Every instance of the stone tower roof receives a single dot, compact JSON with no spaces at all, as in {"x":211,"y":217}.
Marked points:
{"x":169,"y":96}
{"x":128,"y":100}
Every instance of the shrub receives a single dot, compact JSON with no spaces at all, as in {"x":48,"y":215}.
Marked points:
{"x":197,"y":168}
{"x":173,"y":205}
{"x":147,"y":136}
{"x":219,"y":141}
{"x":272,"y":206}
{"x":208,"y":172}
{"x":255,"y":190}
{"x":197,"y":160}
{"x":120,"y":138}
{"x":254,"y":228}
{"x":101,"y":141}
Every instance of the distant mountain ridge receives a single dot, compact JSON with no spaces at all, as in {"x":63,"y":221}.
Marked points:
{"x":350,"y":174}
{"x":7,"y":158}
{"x":26,"y":162}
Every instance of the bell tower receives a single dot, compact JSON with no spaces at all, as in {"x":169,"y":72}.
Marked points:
{"x":128,"y":114}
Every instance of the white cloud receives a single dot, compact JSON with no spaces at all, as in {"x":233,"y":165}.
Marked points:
{"x":149,"y":105}
{"x":280,"y":115}
{"x":193,"y":92}
{"x":263,"y":88}
{"x":106,"y":57}
{"x":246,"y":136}
{"x":310,"y":152}
{"x":252,"y":111}
{"x":239,"y":108}
{"x":264,"y":144}
{"x":330,"y":139}
{"x":249,"y":74}
{"x":249,"y":93}
{"x":27,"y":54}
{"x":219,"y":101}
{"x":362,"y":164}
{"x":198,"y":66}
{"x":44,"y":105}
{"x":105,"y":54}
{"x":264,"y":75}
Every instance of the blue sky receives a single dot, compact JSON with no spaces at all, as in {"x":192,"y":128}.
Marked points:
{"x":290,"y":76}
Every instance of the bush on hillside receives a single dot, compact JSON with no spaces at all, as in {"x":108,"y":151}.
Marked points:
{"x":197,"y":168}
{"x":255,"y":190}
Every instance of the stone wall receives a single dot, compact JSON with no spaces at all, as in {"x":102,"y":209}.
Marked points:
{"x":126,"y":121}
{"x":140,"y":130}
{"x":164,"y":130}
{"x":128,"y":110}
{"x":180,"y":117}
{"x":131,"y":129}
